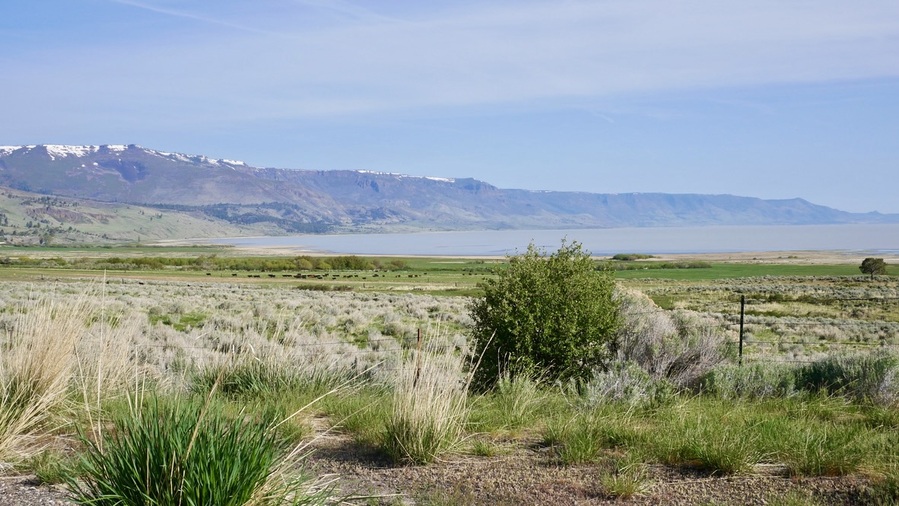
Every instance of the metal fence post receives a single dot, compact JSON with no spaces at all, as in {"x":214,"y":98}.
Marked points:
{"x":417,"y":360}
{"x":742,"y":312}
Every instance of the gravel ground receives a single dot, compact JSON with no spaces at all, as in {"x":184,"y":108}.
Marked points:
{"x":522,"y":476}
{"x":26,"y":491}
{"x":530,"y":476}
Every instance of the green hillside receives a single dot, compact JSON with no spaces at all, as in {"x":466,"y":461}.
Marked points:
{"x":30,"y":219}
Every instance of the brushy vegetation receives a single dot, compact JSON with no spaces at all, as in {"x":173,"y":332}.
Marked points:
{"x":863,"y":377}
{"x":222,"y":358}
{"x":550,"y":313}
{"x":676,"y":346}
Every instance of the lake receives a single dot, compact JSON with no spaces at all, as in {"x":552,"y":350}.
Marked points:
{"x":873,"y":239}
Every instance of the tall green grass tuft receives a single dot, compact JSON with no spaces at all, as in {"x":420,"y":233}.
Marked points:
{"x":629,"y":477}
{"x":709,"y":435}
{"x":517,"y":402}
{"x":184,"y":451}
{"x":518,"y":398}
{"x":810,"y":447}
{"x":884,"y":490}
{"x":430,"y":406}
{"x":582,"y":437}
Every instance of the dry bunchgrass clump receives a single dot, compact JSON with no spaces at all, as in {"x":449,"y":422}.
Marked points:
{"x":430,"y":405}
{"x":37,"y":361}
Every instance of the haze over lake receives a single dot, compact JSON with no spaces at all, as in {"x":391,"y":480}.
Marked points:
{"x":671,"y":240}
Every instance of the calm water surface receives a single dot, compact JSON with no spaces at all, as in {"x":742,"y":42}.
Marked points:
{"x":857,"y":238}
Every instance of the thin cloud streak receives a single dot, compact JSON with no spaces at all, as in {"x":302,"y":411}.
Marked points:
{"x":188,"y":15}
{"x":494,"y":55}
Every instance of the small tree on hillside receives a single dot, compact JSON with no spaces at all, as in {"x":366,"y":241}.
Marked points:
{"x":554,"y":316}
{"x":873,"y":266}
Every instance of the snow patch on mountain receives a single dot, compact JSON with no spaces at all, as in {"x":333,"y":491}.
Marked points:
{"x":55,"y":151}
{"x":61,"y":151}
{"x":180,"y":157}
{"x":378,"y":173}
{"x":401,"y":176}
{"x":6,"y":150}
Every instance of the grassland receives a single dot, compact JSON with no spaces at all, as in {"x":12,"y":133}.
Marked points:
{"x":807,"y":419}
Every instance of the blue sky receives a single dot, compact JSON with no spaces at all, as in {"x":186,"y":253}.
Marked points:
{"x":768,"y":98}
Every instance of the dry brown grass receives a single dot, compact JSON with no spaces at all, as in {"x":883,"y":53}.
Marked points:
{"x":430,"y":404}
{"x":37,"y":364}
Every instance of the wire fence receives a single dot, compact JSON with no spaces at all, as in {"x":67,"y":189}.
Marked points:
{"x":758,"y":335}
{"x":776,"y":336}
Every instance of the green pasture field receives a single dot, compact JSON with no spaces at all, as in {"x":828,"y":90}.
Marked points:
{"x":739,"y":270}
{"x":436,"y":275}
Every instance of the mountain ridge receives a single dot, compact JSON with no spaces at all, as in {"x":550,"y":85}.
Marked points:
{"x":281,"y":201}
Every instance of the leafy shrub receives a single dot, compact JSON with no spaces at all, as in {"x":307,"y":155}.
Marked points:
{"x":554,"y":314}
{"x":185,"y":452}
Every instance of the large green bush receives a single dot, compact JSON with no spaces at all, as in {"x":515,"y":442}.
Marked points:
{"x":554,"y":315}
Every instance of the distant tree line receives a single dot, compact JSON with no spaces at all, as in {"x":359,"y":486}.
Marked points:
{"x":216,"y":263}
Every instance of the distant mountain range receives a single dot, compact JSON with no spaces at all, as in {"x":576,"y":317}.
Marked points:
{"x":233,"y":197}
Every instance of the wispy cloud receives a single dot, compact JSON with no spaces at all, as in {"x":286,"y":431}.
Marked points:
{"x":486,"y":54}
{"x":178,"y":13}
